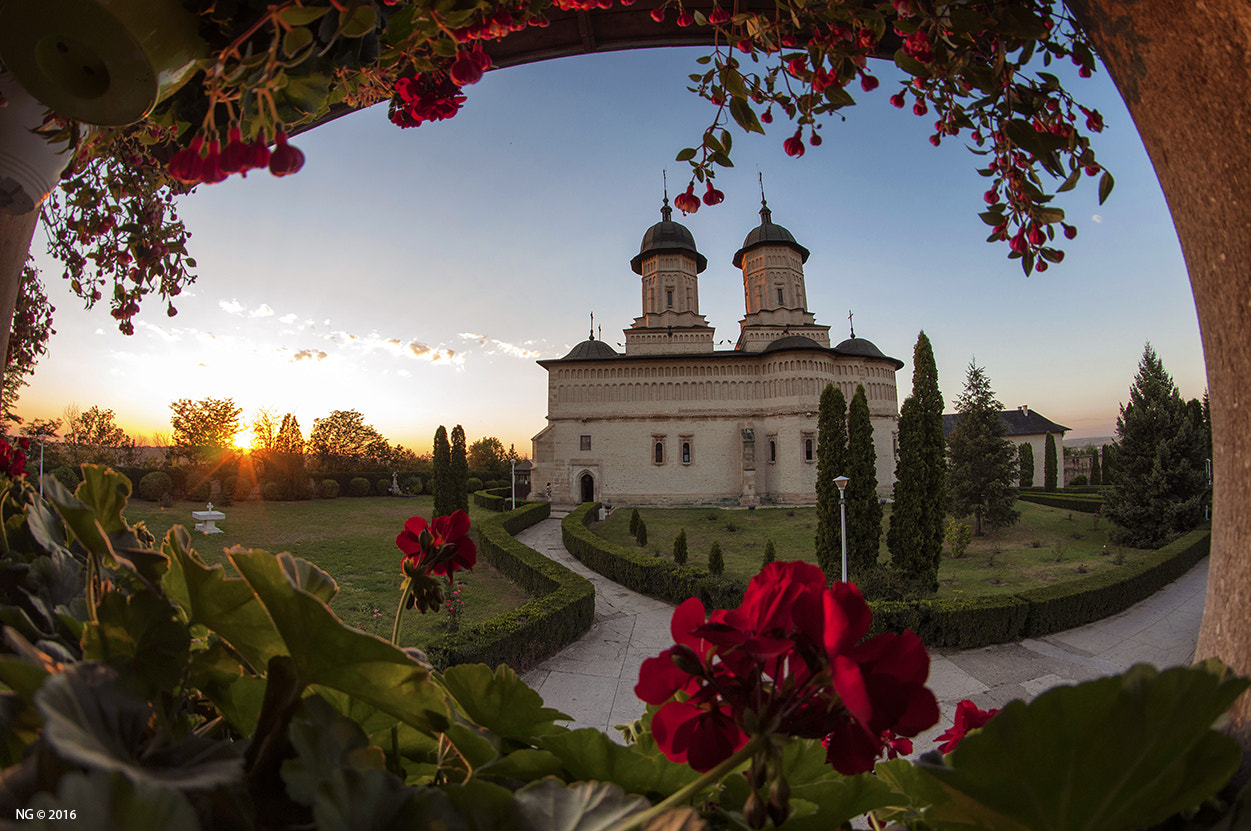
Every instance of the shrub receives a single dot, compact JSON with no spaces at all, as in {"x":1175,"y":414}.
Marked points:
{"x":731,"y":527}
{"x":1079,"y":480}
{"x":634,"y":522}
{"x":383,"y":487}
{"x":329,"y":489}
{"x":716,"y":560}
{"x":641,"y":536}
{"x":412,"y":483}
{"x":201,"y":490}
{"x":359,"y":486}
{"x":273,"y":491}
{"x":679,"y":548}
{"x":473,"y":484}
{"x":67,"y":476}
{"x":155,"y":486}
{"x":958,"y":537}
{"x":770,"y":552}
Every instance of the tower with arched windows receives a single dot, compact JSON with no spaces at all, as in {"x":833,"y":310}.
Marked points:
{"x":673,"y":420}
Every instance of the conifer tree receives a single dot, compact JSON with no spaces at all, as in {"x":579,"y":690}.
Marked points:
{"x":831,"y":463}
{"x":1025,"y":460}
{"x":915,"y":536}
{"x":1096,"y":472}
{"x":716,"y":561}
{"x":459,"y":469}
{"x":679,"y":548}
{"x":770,"y":552}
{"x":1050,"y":464}
{"x":634,"y":522}
{"x":1160,"y":479}
{"x":983,"y":463}
{"x":641,"y":535}
{"x":1109,"y":463}
{"x":440,"y":484}
{"x":864,"y":509}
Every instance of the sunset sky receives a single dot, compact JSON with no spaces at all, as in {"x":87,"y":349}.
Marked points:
{"x":418,"y":275}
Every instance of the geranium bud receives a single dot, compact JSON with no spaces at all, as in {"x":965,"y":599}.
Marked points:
{"x":1084,"y":72}
{"x":767,"y":116}
{"x":935,"y":140}
{"x":815,"y":140}
{"x":797,"y":66}
{"x":744,"y":46}
{"x":868,"y":82}
{"x":687,"y":202}
{"x":1037,"y":236}
{"x":1070,"y":231}
{"x":904,"y":8}
{"x":1092,"y":170}
{"x":712,"y":196}
{"x":658,"y":15}
{"x":685,"y":18}
{"x":285,"y":159}
{"x":991,"y":196}
{"x":1041,"y":266}
{"x":897,"y":100}
{"x":919,"y":108}
{"x":719,"y":16}
{"x":465,"y":69}
{"x":794,"y":146}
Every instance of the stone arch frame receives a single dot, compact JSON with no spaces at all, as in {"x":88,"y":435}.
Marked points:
{"x":580,"y":481}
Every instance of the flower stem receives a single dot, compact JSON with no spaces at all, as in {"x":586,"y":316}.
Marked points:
{"x":687,"y":791}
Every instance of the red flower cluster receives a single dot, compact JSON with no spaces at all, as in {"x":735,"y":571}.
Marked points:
{"x":197,"y":164}
{"x":421,"y":98}
{"x":12,"y":460}
{"x":440,"y":547}
{"x":968,"y":717}
{"x":789,"y":660}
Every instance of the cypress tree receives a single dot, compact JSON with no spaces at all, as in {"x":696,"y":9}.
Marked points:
{"x":864,"y":509}
{"x":440,"y":485}
{"x":1025,"y":459}
{"x":679,"y":548}
{"x":1160,"y":481}
{"x":770,"y":552}
{"x":1096,"y":473}
{"x":1050,"y":464}
{"x":915,"y":536}
{"x":641,"y":535}
{"x":634,"y":522}
{"x":831,"y":463}
{"x":459,"y":470}
{"x":1109,"y":468}
{"x":983,"y":462}
{"x":716,"y":562}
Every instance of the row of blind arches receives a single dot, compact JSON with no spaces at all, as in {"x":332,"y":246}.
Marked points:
{"x":723,"y":370}
{"x":712,"y":391}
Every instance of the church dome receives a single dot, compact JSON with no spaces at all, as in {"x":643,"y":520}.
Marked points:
{"x":667,"y":235}
{"x":766,"y":233}
{"x":591,"y":350}
{"x":793,"y":342}
{"x":861,"y":348}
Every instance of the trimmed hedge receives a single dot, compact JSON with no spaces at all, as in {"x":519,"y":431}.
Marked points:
{"x":494,"y":499}
{"x":965,"y":623}
{"x":652,"y":576}
{"x":358,"y":486}
{"x":563,"y":608}
{"x":1088,"y":504}
{"x":155,"y":486}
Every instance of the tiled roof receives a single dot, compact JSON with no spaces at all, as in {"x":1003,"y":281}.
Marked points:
{"x":1020,"y":423}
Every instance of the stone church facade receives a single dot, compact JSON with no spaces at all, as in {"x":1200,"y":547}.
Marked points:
{"x":674,"y":421}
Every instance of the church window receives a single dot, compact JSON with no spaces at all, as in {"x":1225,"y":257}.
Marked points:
{"x":669,"y":298}
{"x":779,"y":295}
{"x":773,"y":449}
{"x":809,"y":448}
{"x":658,"y":450}
{"x":584,"y":443}
{"x":687,"y":455}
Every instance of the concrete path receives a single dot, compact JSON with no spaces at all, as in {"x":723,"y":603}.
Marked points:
{"x":593,"y":679}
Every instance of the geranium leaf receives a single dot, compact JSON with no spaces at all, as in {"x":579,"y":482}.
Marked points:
{"x":104,"y":802}
{"x":745,"y":116}
{"x":304,"y":575}
{"x":327,"y":651}
{"x":484,"y":806}
{"x":138,"y":636}
{"x":589,"y":754}
{"x":526,"y":765}
{"x":501,"y":702}
{"x":586,"y":806}
{"x":1105,"y":186}
{"x":1117,"y":753}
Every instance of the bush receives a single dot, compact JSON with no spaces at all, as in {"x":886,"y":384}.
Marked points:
{"x":1089,"y":504}
{"x":716,"y":560}
{"x":201,"y":490}
{"x":383,"y":488}
{"x":679,"y":548}
{"x":412,"y":483}
{"x":155,"y":486}
{"x":634,"y":522}
{"x":275,"y":491}
{"x":770,"y":553}
{"x":328,"y":489}
{"x":358,"y":486}
{"x":958,"y":537}
{"x":641,"y":536}
{"x":67,"y":476}
{"x":1079,"y":480}
{"x":473,"y":484}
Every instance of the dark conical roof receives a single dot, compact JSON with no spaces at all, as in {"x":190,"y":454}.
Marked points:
{"x":591,"y":350}
{"x":793,"y":342}
{"x":667,"y":235}
{"x":861,"y":348}
{"x":766,"y":233}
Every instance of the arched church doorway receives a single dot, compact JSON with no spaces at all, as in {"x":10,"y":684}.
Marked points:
{"x":588,"y":487}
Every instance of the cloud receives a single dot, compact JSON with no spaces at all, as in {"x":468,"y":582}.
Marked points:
{"x":418,"y":350}
{"x":233,"y":307}
{"x":404,"y":373}
{"x":169,"y":336}
{"x":499,"y":347}
{"x":309,"y":354}
{"x":288,"y":319}
{"x":1097,"y":218}
{"x":262,"y":310}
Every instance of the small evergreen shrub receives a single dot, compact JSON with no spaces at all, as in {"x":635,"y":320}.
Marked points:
{"x":473,"y":485}
{"x":273,"y":491}
{"x":641,"y":536}
{"x":155,"y":486}
{"x":716,"y":560}
{"x":201,"y":490}
{"x":770,"y":552}
{"x":1079,"y":480}
{"x":383,"y":488}
{"x":328,"y":489}
{"x":958,"y":537}
{"x":67,"y":476}
{"x":411,"y":483}
{"x":679,"y":548}
{"x":634,"y":522}
{"x":359,"y":486}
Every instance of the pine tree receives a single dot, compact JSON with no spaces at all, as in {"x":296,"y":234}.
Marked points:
{"x":440,"y":478}
{"x":679,"y":548}
{"x":864,"y":509}
{"x":1025,"y":460}
{"x":459,"y":469}
{"x":1109,"y":463}
{"x":641,"y":535}
{"x":770,"y":552}
{"x":983,"y":462}
{"x":716,"y":562}
{"x":915,"y":536}
{"x":634,"y":522}
{"x":1160,"y":479}
{"x":1096,"y":473}
{"x":1050,"y":464}
{"x":831,"y":463}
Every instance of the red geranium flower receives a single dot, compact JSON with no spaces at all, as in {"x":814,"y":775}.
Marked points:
{"x":442,"y":547}
{"x":968,"y":717}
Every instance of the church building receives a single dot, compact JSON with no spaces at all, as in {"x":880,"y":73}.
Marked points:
{"x":674,"y":421}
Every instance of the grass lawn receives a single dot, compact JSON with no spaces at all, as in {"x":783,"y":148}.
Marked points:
{"x":351,"y":539}
{"x":1047,"y":546}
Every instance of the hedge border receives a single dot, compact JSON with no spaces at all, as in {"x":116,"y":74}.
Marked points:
{"x":563,"y":607}
{"x":493,"y":499}
{"x":964,"y":623}
{"x":1085,"y":503}
{"x":653,"y":576}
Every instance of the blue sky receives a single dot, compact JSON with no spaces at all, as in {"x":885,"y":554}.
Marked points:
{"x":417,"y":275}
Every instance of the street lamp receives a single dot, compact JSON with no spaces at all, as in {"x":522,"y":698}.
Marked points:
{"x":842,"y":481}
{"x":41,"y":437}
{"x":513,"y":462}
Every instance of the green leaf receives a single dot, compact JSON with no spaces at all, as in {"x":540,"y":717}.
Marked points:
{"x":587,"y":806}
{"x":485,"y":806}
{"x":733,"y":82}
{"x":589,"y":754}
{"x":1071,"y":181}
{"x":745,"y":116}
{"x":501,"y":702}
{"x":685,"y":154}
{"x":1047,"y":216}
{"x":296,"y":40}
{"x":308,"y":577}
{"x":327,"y":651}
{"x":301,"y":16}
{"x":1118,"y":753}
{"x":302,"y":96}
{"x":992,"y":217}
{"x":1105,"y":186}
{"x":525,"y":765}
{"x":139,"y":637}
{"x":360,"y":23}
{"x":105,"y":802}
{"x":910,"y":64}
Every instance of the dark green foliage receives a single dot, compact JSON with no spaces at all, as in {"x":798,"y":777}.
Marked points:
{"x":641,"y":533}
{"x":915,"y":537}
{"x":382,"y":487}
{"x":328,"y":489}
{"x":831,"y":463}
{"x":155,"y":486}
{"x":474,"y":485}
{"x":67,"y":476}
{"x":634,"y":522}
{"x":1080,"y":481}
{"x":679,"y":548}
{"x":1051,"y":472}
{"x":1086,"y":503}
{"x":495,"y":499}
{"x":441,"y":480}
{"x":459,"y":469}
{"x":864,"y":509}
{"x":1096,"y":475}
{"x":275,"y":491}
{"x":358,"y":486}
{"x":1025,"y":464}
{"x":983,"y":463}
{"x":770,"y":552}
{"x":1109,"y":461}
{"x":716,"y":560}
{"x":201,"y":490}
{"x":1161,"y":481}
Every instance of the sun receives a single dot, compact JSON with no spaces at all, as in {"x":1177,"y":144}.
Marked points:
{"x":243,"y":439}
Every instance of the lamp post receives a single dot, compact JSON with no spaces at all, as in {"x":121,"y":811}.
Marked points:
{"x":513,"y":463}
{"x":842,"y":481}
{"x":41,"y":438}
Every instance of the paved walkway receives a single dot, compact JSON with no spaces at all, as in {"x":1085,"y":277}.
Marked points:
{"x":593,"y":679}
